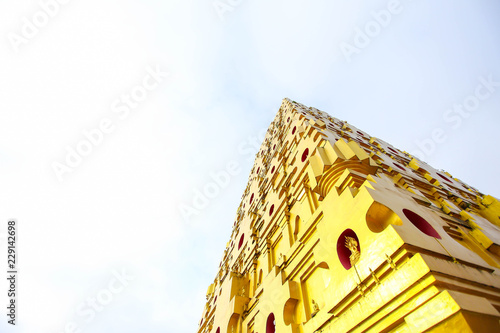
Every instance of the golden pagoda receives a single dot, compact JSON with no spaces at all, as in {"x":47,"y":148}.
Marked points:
{"x":339,"y":231}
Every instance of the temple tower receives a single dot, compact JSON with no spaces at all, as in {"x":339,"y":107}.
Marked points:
{"x":339,"y":231}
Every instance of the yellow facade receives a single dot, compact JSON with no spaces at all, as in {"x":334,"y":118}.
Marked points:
{"x":339,"y":231}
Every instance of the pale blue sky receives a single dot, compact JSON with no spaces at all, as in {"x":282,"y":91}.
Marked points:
{"x":119,"y":207}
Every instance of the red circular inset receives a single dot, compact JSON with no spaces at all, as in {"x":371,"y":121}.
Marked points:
{"x":271,"y":210}
{"x":271,"y":324}
{"x":305,"y":154}
{"x":294,"y":129}
{"x":444,"y":177}
{"x":343,"y":251}
{"x":242,"y":238}
{"x":421,"y":223}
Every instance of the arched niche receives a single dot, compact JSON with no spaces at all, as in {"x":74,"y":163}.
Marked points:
{"x":379,"y":216}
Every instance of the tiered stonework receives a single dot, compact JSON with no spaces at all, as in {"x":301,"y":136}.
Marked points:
{"x":338,"y":231}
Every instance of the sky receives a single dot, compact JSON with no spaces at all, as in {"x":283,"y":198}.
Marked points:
{"x":128,"y":130}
